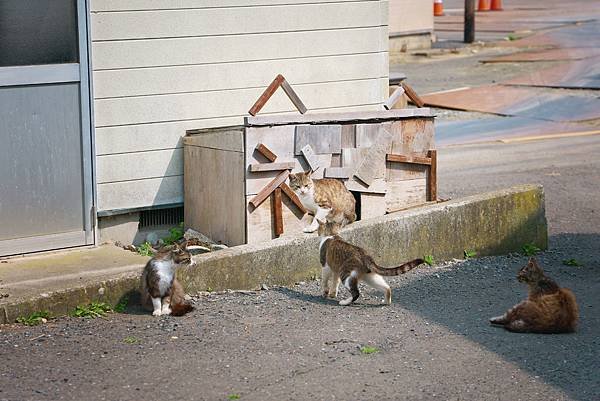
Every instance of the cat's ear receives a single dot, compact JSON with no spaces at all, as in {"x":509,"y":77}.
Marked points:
{"x":532,"y":261}
{"x":309,"y":173}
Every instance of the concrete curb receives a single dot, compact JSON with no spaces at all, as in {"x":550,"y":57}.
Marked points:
{"x":494,"y":223}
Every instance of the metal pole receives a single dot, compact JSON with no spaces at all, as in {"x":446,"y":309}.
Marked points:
{"x":469,"y":21}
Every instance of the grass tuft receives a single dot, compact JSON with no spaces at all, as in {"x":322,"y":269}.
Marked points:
{"x":367,"y":350}
{"x":35,"y":318}
{"x":92,"y":310}
{"x":530,"y":250}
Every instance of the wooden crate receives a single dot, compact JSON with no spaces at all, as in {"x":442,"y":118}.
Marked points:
{"x":228,"y":170}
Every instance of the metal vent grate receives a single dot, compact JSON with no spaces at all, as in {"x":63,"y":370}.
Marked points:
{"x":161,"y":217}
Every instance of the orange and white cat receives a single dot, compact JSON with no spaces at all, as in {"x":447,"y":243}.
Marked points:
{"x":321,"y":196}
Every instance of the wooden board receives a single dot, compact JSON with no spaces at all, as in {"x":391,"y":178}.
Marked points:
{"x":399,"y":172}
{"x":409,"y":159}
{"x":260,"y":223}
{"x":277,"y":212}
{"x":266,"y":95}
{"x":372,"y":165}
{"x":217,"y":138}
{"x":432,"y":177}
{"x":294,"y":98}
{"x":268,"y":189}
{"x":379,"y":186}
{"x":348,"y":136}
{"x":338,"y":172}
{"x":372,"y":205}
{"x":293,"y":197}
{"x":322,"y":139}
{"x":367,"y":134}
{"x":413,"y":136}
{"x":266,"y":152}
{"x":256,"y":167}
{"x":404,"y":194}
{"x":212,"y":208}
{"x":394,"y":98}
{"x":310,"y":157}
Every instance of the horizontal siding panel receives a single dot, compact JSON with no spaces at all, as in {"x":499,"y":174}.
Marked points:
{"x":187,"y":106}
{"x":136,"y":166}
{"x":221,"y":49}
{"x":198,"y":78}
{"x":131,"y":5}
{"x":142,"y":193}
{"x":234,"y":21}
{"x":138,"y":138}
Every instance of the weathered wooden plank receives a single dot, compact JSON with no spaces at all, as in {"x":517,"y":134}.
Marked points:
{"x":277,"y":212}
{"x":412,"y":136}
{"x":404,"y":194}
{"x":412,"y":95}
{"x":338,"y":172}
{"x":278,"y":140}
{"x":255,"y":167}
{"x":259,"y":220}
{"x":266,"y":95}
{"x":335,"y":118}
{"x":372,"y":205}
{"x":353,"y":157}
{"x":403,"y":171}
{"x":266,"y":152}
{"x":289,"y":91}
{"x":432,"y":176}
{"x":411,"y":159}
{"x":379,"y":186}
{"x":292,"y":196}
{"x":269,"y":188}
{"x":322,"y":139}
{"x":310,"y":157}
{"x":348,"y":136}
{"x":367,"y":134}
{"x":394,"y":98}
{"x":212,"y":208}
{"x":373,"y":163}
{"x":216,"y":138}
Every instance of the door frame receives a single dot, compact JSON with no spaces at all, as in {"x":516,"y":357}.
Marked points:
{"x":65,"y":73}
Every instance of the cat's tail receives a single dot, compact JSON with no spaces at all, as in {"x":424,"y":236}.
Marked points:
{"x":179,"y":305}
{"x":394,"y":271}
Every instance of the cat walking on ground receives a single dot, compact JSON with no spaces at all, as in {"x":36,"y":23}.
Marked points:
{"x":160,"y":291}
{"x":548,"y":308}
{"x":320,"y":196}
{"x":344,"y":262}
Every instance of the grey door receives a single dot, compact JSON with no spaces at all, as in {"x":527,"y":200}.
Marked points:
{"x":46,"y":192}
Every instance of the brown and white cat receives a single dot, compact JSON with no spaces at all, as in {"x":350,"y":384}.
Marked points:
{"x":350,"y":264}
{"x":548,"y":308}
{"x":160,"y":290}
{"x":320,"y":196}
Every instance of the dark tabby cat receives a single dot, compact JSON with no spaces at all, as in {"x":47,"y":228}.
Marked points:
{"x":548,"y":308}
{"x":160,"y":290}
{"x":320,"y":196}
{"x":350,"y":264}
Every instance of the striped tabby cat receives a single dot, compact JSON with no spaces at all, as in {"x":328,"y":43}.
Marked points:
{"x":344,"y":262}
{"x":320,"y":196}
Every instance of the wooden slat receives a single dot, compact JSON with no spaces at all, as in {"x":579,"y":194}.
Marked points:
{"x":408,"y":159}
{"x":372,"y":205}
{"x":373,"y":164}
{"x":272,"y":166}
{"x":277,"y":211}
{"x":432,"y":176}
{"x":394,"y":98}
{"x":379,"y":186}
{"x":266,"y":152}
{"x":287,"y":88}
{"x":270,"y":187}
{"x":310,"y":157}
{"x":322,"y":138}
{"x":292,"y":196}
{"x":403,"y":194}
{"x":259,"y":221}
{"x":338,"y":172}
{"x":336,"y":118}
{"x":266,"y":95}
{"x":412,"y":95}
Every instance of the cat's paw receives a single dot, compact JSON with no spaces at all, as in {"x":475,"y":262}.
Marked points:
{"x":346,"y":302}
{"x":500,"y":320}
{"x":310,"y":229}
{"x":166,"y":311}
{"x":157,"y":312}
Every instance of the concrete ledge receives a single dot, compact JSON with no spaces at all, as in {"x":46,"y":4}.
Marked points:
{"x":493,"y":223}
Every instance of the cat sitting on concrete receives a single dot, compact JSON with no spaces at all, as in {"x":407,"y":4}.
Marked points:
{"x":160,"y":291}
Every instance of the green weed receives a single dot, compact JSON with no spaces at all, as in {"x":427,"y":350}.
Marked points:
{"x":175,"y":234}
{"x":530,"y":249}
{"x":512,"y":37}
{"x":35,"y":318}
{"x":469,"y":254}
{"x":145,"y":249}
{"x":131,"y":340}
{"x":92,"y":310}
{"x":122,"y":305}
{"x":571,"y":262}
{"x":429,"y":259}
{"x":368,"y":350}
{"x":233,"y":396}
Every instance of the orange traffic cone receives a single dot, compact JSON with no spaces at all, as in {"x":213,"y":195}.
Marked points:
{"x":496,"y":5}
{"x":484,"y":5}
{"x":438,"y":8}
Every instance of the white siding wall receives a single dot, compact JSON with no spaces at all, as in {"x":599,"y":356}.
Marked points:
{"x":164,"y":66}
{"x":410,"y":16}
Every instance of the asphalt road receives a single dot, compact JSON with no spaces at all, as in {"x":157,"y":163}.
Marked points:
{"x":433,"y":342}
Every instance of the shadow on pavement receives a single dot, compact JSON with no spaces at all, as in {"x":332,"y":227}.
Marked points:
{"x":464,"y":298}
